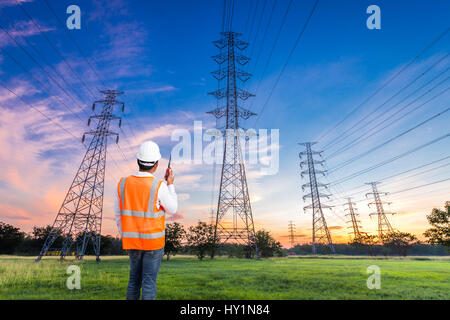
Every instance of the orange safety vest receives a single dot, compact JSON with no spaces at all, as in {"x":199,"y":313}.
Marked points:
{"x":143,"y":224}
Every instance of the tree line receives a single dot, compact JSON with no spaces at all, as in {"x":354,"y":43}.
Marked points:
{"x":200,"y":240}
{"x":197,"y":240}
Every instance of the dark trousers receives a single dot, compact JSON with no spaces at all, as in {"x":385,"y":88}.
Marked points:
{"x":144,"y":267}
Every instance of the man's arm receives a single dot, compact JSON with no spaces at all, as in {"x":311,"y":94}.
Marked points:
{"x":117,"y":212}
{"x":168,"y":198}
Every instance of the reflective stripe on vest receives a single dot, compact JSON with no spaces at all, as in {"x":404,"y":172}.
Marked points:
{"x":143,"y":235}
{"x":142,"y":228}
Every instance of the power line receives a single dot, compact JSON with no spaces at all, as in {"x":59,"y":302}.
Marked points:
{"x":406,"y":66}
{"x":287,"y":60}
{"x":55,"y":49}
{"x":421,"y":186}
{"x":83,"y":55}
{"x":41,"y":56}
{"x":40,"y":82}
{"x":75,"y":43}
{"x":396,"y":175}
{"x":342,"y":136}
{"x":283,"y":21}
{"x":46,"y":117}
{"x":357,"y":157}
{"x":265,"y":35}
{"x":382,"y":163}
{"x":364,"y":136}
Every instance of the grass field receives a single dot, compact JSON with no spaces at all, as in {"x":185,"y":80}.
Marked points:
{"x":222,"y":278}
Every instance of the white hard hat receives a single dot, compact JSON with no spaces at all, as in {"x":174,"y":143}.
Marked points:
{"x":148,"y":152}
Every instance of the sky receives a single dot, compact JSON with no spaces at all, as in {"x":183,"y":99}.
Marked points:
{"x":343,"y":81}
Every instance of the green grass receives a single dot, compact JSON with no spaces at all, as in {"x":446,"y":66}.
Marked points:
{"x":222,"y":278}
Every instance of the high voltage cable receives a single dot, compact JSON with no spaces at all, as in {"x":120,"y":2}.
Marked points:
{"x":37,"y":109}
{"x":343,"y":135}
{"x":265,"y":35}
{"x":419,"y":167}
{"x":354,"y":175}
{"x":421,"y":173}
{"x":38,"y":64}
{"x":43,"y":69}
{"x":46,"y":90}
{"x":420,"y":186}
{"x":41,"y":56}
{"x":48,"y":75}
{"x":364,"y":135}
{"x":357,"y":157}
{"x":386,"y":83}
{"x":396,"y":175}
{"x":248,"y":15}
{"x":253,"y":19}
{"x":258,"y":28}
{"x":55,"y":49}
{"x":352,"y":142}
{"x":75,"y":43}
{"x":283,"y":21}
{"x":46,"y":117}
{"x":83,"y":55}
{"x":287,"y":61}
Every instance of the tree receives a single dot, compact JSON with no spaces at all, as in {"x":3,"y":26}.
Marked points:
{"x":365,"y":242}
{"x":174,"y":235}
{"x":400,"y":242}
{"x":267,"y":245}
{"x":440,"y":221}
{"x":39,"y":234}
{"x":201,"y":238}
{"x":10,"y":238}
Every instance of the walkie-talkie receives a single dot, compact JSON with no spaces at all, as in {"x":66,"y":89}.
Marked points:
{"x":168,"y":168}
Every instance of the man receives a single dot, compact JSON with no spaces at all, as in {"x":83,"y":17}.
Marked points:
{"x":140,"y":207}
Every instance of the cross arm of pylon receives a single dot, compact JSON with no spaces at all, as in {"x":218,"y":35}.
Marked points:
{"x":241,"y":59}
{"x":316,"y":171}
{"x":304,"y":153}
{"x":243,"y":94}
{"x":305,"y":162}
{"x":309,"y":195}
{"x":243,"y":75}
{"x":324,"y":206}
{"x":371,"y":193}
{"x":325,"y":185}
{"x":219,"y":74}
{"x":219,"y":93}
{"x":245,"y":113}
{"x":218,"y":112}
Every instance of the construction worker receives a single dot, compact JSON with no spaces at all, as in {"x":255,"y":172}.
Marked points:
{"x":142,"y":202}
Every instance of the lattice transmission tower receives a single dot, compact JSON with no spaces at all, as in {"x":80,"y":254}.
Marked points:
{"x":354,"y":218}
{"x":79,"y":219}
{"x":384,"y":226}
{"x":292,"y":236}
{"x":233,"y":219}
{"x":320,"y":232}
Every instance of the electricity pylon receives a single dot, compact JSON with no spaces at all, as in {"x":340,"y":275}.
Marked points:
{"x":291,"y":227}
{"x":384,"y":226}
{"x":80,"y":217}
{"x":352,"y":212}
{"x":320,"y":232}
{"x":234,"y":201}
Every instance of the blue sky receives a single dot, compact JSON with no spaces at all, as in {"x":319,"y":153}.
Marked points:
{"x":159,"y":53}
